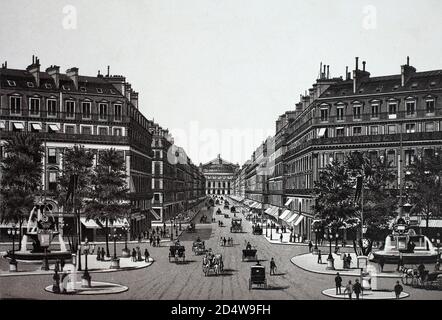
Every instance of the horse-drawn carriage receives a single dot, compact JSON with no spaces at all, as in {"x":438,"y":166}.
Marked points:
{"x":258,"y":276}
{"x":236,"y":225}
{"x":219,"y":211}
{"x":191,"y":228}
{"x":213,"y":263}
{"x":257,"y":229}
{"x":226,"y":205}
{"x":233,"y":209}
{"x":217,"y":202}
{"x":177,"y":252}
{"x":199,"y":248}
{"x":422,"y":279}
{"x":249,"y":254}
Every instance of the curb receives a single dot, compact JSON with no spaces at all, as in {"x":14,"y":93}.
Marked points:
{"x":84,"y":292}
{"x":332,"y":272}
{"x":344,"y":296}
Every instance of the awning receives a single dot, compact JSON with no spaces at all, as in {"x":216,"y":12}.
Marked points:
{"x":155,"y":214}
{"x":18,"y":125}
{"x":268,"y":210}
{"x":90,"y":223}
{"x":54,"y":127}
{"x":434,"y":223}
{"x":285,"y":214}
{"x":288,"y":202}
{"x":257,"y":205}
{"x":119,"y":223}
{"x":293,"y":217}
{"x":36,"y":126}
{"x":321,"y":132}
{"x":289,"y":216}
{"x":298,"y":220}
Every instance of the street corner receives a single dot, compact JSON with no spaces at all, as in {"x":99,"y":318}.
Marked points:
{"x":367,"y":295}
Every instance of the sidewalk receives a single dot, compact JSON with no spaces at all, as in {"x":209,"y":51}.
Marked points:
{"x":367,"y":295}
{"x":309,"y":262}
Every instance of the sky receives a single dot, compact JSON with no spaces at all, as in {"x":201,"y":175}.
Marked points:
{"x":218,"y":73}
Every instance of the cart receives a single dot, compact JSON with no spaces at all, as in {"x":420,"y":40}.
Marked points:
{"x":257,"y":229}
{"x":249,"y":254}
{"x":199,"y":248}
{"x":236,"y":225}
{"x":191,"y":228}
{"x":258,"y":276}
{"x":176,"y":253}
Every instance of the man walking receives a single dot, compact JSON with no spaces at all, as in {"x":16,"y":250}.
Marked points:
{"x":338,"y":283}
{"x":310,"y":246}
{"x":319,"y":257}
{"x":398,"y":289}
{"x":146,"y":255}
{"x":272,"y":267}
{"x":349,"y":289}
{"x":158,"y":241}
{"x":357,"y":289}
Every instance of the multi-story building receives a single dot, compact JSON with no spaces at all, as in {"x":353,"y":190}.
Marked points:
{"x":177,"y":183}
{"x":220,"y":176}
{"x":69,"y":109}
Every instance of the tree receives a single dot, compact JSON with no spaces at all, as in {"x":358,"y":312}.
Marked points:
{"x":21,"y":178}
{"x":109,"y":190}
{"x":75,"y":183}
{"x":424,"y":188}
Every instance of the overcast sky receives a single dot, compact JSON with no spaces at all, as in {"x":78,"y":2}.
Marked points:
{"x":213,"y":69}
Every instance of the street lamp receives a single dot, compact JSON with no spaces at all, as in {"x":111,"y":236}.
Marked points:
{"x":267,"y":228}
{"x":115,"y":262}
{"x":44,"y":236}
{"x":86,"y":278}
{"x":171,"y":229}
{"x":12,"y":232}
{"x":126,"y":251}
{"x":330,"y":259}
{"x":316,"y":239}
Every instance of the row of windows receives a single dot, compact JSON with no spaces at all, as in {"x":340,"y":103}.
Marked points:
{"x":392,"y":109}
{"x":30,"y":84}
{"x":15,"y":103}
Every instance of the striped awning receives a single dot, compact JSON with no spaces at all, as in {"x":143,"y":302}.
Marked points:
{"x":119,"y":223}
{"x":89,"y":223}
{"x":285,"y":214}
{"x":268,"y":210}
{"x":434,"y":223}
{"x":298,"y":220}
{"x":293,"y":217}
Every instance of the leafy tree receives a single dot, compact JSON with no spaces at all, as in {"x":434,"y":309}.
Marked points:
{"x":75,"y":192}
{"x":424,"y":187}
{"x":109,"y":190}
{"x":21,"y":178}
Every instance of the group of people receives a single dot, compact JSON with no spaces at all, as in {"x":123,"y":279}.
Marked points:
{"x":136,"y":255}
{"x":154,"y":241}
{"x":228,"y":241}
{"x":357,"y":288}
{"x":100,"y":254}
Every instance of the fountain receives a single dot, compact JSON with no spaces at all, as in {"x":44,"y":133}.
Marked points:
{"x":41,"y":221}
{"x":404,"y":243}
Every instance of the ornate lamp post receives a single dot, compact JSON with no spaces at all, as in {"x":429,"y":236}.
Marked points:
{"x":115,"y":262}
{"x":267,"y":227}
{"x":271,"y":231}
{"x":12,"y":232}
{"x":171,"y":228}
{"x":88,"y":248}
{"x":126,"y":251}
{"x":330,"y":259}
{"x":44,"y":236}
{"x":316,"y":238}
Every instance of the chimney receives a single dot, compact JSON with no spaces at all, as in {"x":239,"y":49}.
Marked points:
{"x":407,"y":72}
{"x":328,"y":72}
{"x":118,"y":82}
{"x":346,"y":73}
{"x":73,"y":74}
{"x":323,"y":74}
{"x":34,"y":69}
{"x":108,"y":71}
{"x":134,"y":99}
{"x":54,"y":73}
{"x":5,"y":65}
{"x":359,"y":75}
{"x":320,"y":71}
{"x":128,"y":91}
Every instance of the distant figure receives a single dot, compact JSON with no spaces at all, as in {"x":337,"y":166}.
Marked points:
{"x":272,"y":267}
{"x":338,"y":283}
{"x":139,"y":237}
{"x":349,"y":289}
{"x":224,"y":241}
{"x":62,"y":264}
{"x":400,"y":262}
{"x":248,"y":246}
{"x":310,"y":246}
{"x":421,"y":269}
{"x":344,"y":261}
{"x":381,"y":262}
{"x":281,"y":237}
{"x":319,"y":257}
{"x":357,"y":289}
{"x":349,"y":261}
{"x":56,"y":285}
{"x":140,"y":258}
{"x":134,"y":255}
{"x":102,"y":254}
{"x":398,"y":289}
{"x":158,"y":241}
{"x":151,"y":240}
{"x":437,"y":266}
{"x":98,"y":254}
{"x":146,"y":255}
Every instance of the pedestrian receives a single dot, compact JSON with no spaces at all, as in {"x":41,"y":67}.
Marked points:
{"x":139,"y":238}
{"x":61,"y":264}
{"x":349,"y":289}
{"x":357,"y":289}
{"x":381,"y":262}
{"x":158,"y":241}
{"x":151,"y":240}
{"x":319,"y":257}
{"x":272,"y":267}
{"x":344,"y":261}
{"x":310,"y":246}
{"x":134,"y":255}
{"x":338,"y":283}
{"x":98,"y":254}
{"x":102,"y":254}
{"x":398,"y":289}
{"x":140,"y":258}
{"x":146,"y":255}
{"x":56,"y":284}
{"x":147,"y":234}
{"x":349,"y":261}
{"x":224,"y":241}
{"x":57,"y":266}
{"x":277,"y":229}
{"x":400,"y":263}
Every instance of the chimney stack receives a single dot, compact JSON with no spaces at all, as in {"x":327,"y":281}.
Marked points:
{"x":357,"y":63}
{"x":346,"y":73}
{"x":54,"y":73}
{"x":34,"y":69}
{"x":328,"y":72}
{"x":407,"y":72}
{"x":359,"y":75}
{"x":73,"y":74}
{"x":363,"y":65}
{"x":108,"y":71}
{"x":324,"y":72}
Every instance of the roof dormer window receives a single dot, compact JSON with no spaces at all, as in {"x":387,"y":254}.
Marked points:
{"x":65,"y":88}
{"x":82,"y":89}
{"x":11,"y":83}
{"x":414,"y":85}
{"x":48,"y":86}
{"x":99,"y":90}
{"x":432,"y":83}
{"x":112,"y":91}
{"x":30,"y":84}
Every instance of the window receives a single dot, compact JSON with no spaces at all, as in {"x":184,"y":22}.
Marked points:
{"x":357,"y":112}
{"x":339,"y":157}
{"x":118,"y":112}
{"x":410,"y":128}
{"x":102,"y":107}
{"x":69,"y":129}
{"x":82,"y":89}
{"x":375,"y":111}
{"x":156,"y":196}
{"x":86,"y":109}
{"x":102,"y":131}
{"x":52,"y":107}
{"x":52,"y":156}
{"x":118,"y":132}
{"x":324,"y":114}
{"x":357,"y":131}
{"x":340,"y":132}
{"x":430,"y":106}
{"x":11,"y":83}
{"x":70,"y":109}
{"x":15,"y":103}
{"x":52,"y":185}
{"x":391,"y":157}
{"x":340,"y":113}
{"x":34,"y":106}
{"x":429,"y":126}
{"x":53,"y":128}
{"x":30,"y":84}
{"x":409,"y":157}
{"x":392,"y":110}
{"x":18,"y":126}
{"x":410,"y":108}
{"x":391,"y":129}
{"x":99,"y":90}
{"x":86,"y":130}
{"x":374,"y":130}
{"x":35,"y":127}
{"x":48,"y":86}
